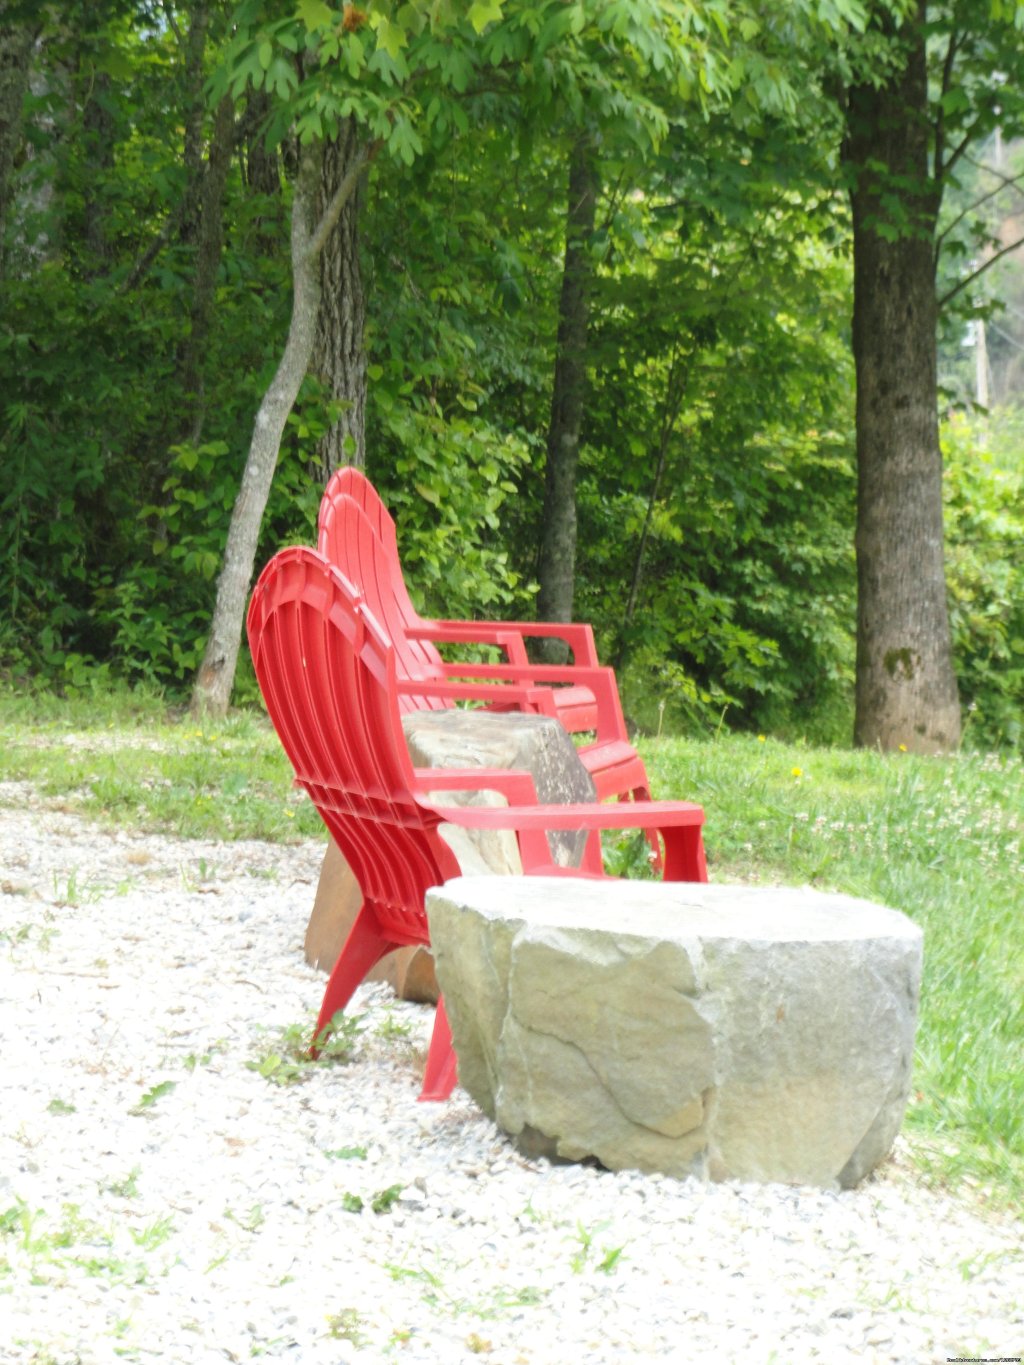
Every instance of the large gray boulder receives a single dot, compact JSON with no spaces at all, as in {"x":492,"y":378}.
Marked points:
{"x":734,"y":1032}
{"x":538,"y":745}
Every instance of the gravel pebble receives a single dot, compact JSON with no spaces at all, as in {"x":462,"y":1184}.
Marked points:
{"x":160,"y":1200}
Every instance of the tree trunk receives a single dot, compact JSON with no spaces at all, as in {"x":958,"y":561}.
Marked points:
{"x":557,"y":568}
{"x":98,"y":139}
{"x":212,"y":690}
{"x":675,"y":390}
{"x":906,"y":692}
{"x":209,"y":242}
{"x":16,"y":42}
{"x":194,"y":46}
{"x":339,"y":349}
{"x":262,"y":174}
{"x":215,"y":679}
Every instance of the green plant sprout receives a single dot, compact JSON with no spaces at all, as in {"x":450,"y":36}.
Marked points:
{"x":151,"y":1096}
{"x":289,"y":1061}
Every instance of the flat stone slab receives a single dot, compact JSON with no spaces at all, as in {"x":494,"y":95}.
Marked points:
{"x":732,"y":1032}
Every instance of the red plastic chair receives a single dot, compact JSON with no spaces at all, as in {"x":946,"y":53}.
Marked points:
{"x":328,"y":676}
{"x":363,"y":547}
{"x":578,"y":709}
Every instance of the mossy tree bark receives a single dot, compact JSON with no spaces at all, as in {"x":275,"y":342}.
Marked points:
{"x":906,"y":692}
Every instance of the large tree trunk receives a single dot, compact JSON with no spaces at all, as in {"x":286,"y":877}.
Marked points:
{"x":16,"y":42}
{"x":906,"y":690}
{"x":212,"y":690}
{"x":340,"y":349}
{"x":557,"y":568}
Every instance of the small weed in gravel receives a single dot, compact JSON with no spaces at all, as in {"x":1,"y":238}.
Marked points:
{"x":288,"y":1061}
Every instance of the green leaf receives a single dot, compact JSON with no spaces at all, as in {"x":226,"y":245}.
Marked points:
{"x":151,"y":1096}
{"x":355,"y":54}
{"x":412,"y":18}
{"x":383,"y":1199}
{"x":484,"y":12}
{"x":282,"y":77}
{"x":116,"y":64}
{"x":556,"y":27}
{"x":266,"y":54}
{"x":955,"y":101}
{"x":404,"y":141}
{"x":347,"y":1154}
{"x":315,"y":14}
{"x":391,"y":38}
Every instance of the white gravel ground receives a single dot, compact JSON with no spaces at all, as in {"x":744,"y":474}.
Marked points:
{"x":160,"y":1200}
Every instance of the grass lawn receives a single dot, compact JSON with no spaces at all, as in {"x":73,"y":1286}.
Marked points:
{"x":941,"y":839}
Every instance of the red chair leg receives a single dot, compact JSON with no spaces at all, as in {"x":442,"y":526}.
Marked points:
{"x":362,"y":950}
{"x":440,"y":1075}
{"x":592,"y":862}
{"x":684,"y":855}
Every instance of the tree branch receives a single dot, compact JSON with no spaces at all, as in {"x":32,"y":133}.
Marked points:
{"x":676,"y":384}
{"x":172,"y":23}
{"x":1005,"y":335}
{"x":341,"y":196}
{"x":940,"y":121}
{"x":960,"y":150}
{"x":1005,"y":182}
{"x":1008,"y":182}
{"x":614,"y":198}
{"x":957,"y":289}
{"x":171,"y":225}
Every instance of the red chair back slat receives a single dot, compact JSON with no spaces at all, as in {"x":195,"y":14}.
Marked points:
{"x":349,"y":540}
{"x":353,"y":483}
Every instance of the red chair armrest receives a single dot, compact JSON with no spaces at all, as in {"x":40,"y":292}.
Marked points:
{"x":471,"y":633}
{"x":499,"y":694}
{"x":589,"y":815}
{"x":611,"y":724}
{"x":578,"y":635}
{"x":516,"y":786}
{"x":678,"y":822}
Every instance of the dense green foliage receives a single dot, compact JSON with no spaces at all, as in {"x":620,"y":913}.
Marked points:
{"x":717,"y":478}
